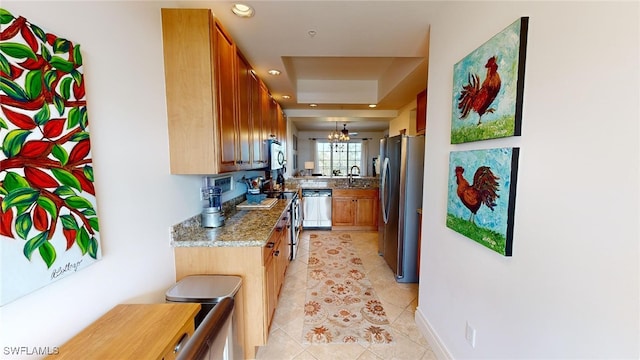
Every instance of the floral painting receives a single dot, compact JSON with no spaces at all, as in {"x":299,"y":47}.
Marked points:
{"x":488,"y":87}
{"x":482,"y":195}
{"x":48,"y":219}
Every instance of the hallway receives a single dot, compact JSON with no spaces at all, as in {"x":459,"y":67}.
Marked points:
{"x":399,"y":300}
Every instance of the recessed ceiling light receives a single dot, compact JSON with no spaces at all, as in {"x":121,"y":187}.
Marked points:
{"x":242,"y":10}
{"x":274,"y":72}
{"x":372,"y":105}
{"x":286,"y":97}
{"x":313,"y":105}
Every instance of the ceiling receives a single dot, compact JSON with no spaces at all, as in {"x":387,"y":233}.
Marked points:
{"x":340,"y":55}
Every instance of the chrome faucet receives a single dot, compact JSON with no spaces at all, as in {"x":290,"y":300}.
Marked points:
{"x":351,"y":180}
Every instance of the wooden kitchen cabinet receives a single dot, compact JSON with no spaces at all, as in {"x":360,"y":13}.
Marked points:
{"x":134,"y":331}
{"x":282,"y":125}
{"x":262,"y":270}
{"x":421,"y":112}
{"x":243,"y":114}
{"x":213,"y":108}
{"x":259,"y":137}
{"x":265,"y":111}
{"x":354,"y":209}
{"x":271,"y":276}
{"x":224,"y":52}
{"x":193,"y":132}
{"x":276,"y":261}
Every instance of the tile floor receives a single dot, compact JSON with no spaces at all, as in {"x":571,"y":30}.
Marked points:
{"x":400,"y":301}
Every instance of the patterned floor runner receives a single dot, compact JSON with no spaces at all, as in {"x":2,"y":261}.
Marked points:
{"x":341,"y":305}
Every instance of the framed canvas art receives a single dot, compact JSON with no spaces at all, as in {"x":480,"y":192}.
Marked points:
{"x":482,"y":196}
{"x":488,"y":87}
{"x":48,"y":214}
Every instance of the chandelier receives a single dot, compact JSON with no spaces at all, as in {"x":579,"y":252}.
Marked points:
{"x":339,"y":136}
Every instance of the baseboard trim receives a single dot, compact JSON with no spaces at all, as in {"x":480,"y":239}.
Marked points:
{"x":438,"y":347}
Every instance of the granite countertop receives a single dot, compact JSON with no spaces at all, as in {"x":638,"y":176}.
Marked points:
{"x":316,"y":182}
{"x":243,"y":228}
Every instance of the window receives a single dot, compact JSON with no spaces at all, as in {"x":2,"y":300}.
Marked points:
{"x":338,"y":157}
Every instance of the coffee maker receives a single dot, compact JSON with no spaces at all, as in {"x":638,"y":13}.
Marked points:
{"x":212,"y":212}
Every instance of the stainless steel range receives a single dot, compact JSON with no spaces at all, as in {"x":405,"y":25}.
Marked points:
{"x":295,"y":213}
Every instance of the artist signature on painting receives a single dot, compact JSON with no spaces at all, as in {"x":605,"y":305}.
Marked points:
{"x":70,"y":266}
{"x":489,"y":240}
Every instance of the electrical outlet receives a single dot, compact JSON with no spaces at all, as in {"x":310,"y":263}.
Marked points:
{"x":470,"y":335}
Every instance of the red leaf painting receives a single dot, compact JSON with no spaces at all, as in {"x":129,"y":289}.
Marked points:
{"x":46,"y":172}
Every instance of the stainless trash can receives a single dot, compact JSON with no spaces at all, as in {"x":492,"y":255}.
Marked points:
{"x":207,"y":290}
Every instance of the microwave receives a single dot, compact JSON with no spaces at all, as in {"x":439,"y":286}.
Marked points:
{"x":276,"y":157}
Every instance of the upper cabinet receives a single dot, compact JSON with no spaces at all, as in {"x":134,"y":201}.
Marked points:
{"x":244,"y":131}
{"x":220,"y":114}
{"x":259,"y":137}
{"x":224,"y":54}
{"x":421,"y":112}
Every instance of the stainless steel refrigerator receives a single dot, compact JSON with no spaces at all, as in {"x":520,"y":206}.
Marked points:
{"x":400,"y":198}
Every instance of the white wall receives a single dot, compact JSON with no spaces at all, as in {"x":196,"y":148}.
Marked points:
{"x":137,"y":198}
{"x":571,"y":288}
{"x":406,"y":120}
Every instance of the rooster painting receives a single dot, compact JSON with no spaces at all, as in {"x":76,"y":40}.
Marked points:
{"x":482,"y":191}
{"x":479,"y":98}
{"x":488,"y":84}
{"x":481,"y":196}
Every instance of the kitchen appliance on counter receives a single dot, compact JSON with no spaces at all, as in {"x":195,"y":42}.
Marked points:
{"x":400,"y":197}
{"x":316,"y":209}
{"x":254,"y":185}
{"x":212,"y":216}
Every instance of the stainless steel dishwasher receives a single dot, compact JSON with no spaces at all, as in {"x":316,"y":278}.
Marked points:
{"x":316,"y":209}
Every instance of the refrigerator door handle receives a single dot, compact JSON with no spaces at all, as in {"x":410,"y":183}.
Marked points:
{"x":385,"y":192}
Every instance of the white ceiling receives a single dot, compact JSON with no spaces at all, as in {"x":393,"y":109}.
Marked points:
{"x":362,"y":52}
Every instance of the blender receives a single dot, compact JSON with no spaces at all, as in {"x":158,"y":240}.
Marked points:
{"x":212,"y":212}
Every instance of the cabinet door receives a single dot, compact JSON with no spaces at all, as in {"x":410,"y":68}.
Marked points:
{"x":282,"y":125}
{"x":342,"y":211}
{"x":225,"y":55}
{"x":273,"y":118}
{"x":244,"y":110}
{"x":421,"y":112}
{"x":265,"y":100}
{"x":189,"y":77}
{"x":270,"y":286}
{"x":281,"y":258}
{"x":366,"y":214}
{"x":259,"y":147}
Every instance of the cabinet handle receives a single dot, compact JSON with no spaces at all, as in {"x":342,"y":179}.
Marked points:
{"x":270,"y":245}
{"x":180,"y":343}
{"x":276,"y":253}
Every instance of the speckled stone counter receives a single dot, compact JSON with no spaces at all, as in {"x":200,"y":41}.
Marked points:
{"x":242,"y":228}
{"x":332,"y":182}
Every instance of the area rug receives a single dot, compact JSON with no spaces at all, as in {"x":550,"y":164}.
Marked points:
{"x":341,"y":305}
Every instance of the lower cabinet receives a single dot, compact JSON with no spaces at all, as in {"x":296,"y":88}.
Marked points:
{"x":354,"y":209}
{"x":276,"y":261}
{"x":262,"y":270}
